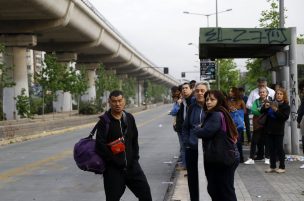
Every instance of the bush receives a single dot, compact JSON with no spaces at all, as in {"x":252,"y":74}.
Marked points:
{"x":88,"y":108}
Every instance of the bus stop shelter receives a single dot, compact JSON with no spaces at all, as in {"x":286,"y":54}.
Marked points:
{"x":277,"y":48}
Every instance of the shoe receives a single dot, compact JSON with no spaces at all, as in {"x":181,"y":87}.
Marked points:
{"x":270,"y":170}
{"x":280,"y":170}
{"x":302,"y":166}
{"x":267,"y":161}
{"x":249,"y":162}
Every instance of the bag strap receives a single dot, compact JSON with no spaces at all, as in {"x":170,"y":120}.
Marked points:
{"x":223,"y":122}
{"x":106,"y":119}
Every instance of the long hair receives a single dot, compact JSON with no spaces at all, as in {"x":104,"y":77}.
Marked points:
{"x":222,"y":106}
{"x":285,"y":97}
{"x":236,"y":93}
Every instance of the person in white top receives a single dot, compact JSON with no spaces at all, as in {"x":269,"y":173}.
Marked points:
{"x":254,"y":94}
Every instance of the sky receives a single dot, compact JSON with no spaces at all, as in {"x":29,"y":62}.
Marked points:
{"x":160,"y":30}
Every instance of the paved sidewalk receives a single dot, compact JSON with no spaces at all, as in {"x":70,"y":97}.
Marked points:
{"x":252,"y":183}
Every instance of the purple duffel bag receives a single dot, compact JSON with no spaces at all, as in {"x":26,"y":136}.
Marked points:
{"x":86,"y":157}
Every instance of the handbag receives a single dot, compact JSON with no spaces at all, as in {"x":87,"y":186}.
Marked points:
{"x":238,"y":118}
{"x":220,"y":149}
{"x":85,"y":155}
{"x":262,"y":119}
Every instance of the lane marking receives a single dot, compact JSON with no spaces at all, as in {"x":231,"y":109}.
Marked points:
{"x":7,"y":175}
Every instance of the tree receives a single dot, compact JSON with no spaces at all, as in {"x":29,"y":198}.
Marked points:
{"x":77,"y":83}
{"x":300,"y":39}
{"x":129,"y":87}
{"x":229,"y":74}
{"x":271,"y":18}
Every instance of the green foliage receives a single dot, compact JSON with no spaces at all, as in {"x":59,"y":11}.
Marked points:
{"x":88,"y":108}
{"x":23,"y":105}
{"x":271,"y":18}
{"x":128,"y":88}
{"x":36,"y":104}
{"x":300,"y":39}
{"x":6,"y":73}
{"x":154,"y":93}
{"x":229,"y":74}
{"x":77,"y":81}
{"x":106,"y":81}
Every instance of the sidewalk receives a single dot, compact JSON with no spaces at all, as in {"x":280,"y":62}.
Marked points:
{"x":251,"y":182}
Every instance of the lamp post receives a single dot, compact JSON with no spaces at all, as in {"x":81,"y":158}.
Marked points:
{"x":208,"y":15}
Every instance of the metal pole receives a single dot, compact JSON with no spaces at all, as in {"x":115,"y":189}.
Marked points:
{"x":217,"y":63}
{"x":207,"y":20}
{"x":282,"y":18}
{"x":294,"y":91}
{"x":216,"y":14}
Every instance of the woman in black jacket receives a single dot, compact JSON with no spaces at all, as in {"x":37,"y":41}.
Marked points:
{"x":277,"y":114}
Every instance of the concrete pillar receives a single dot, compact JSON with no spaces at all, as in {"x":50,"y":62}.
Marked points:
{"x":64,"y":99}
{"x":140,"y":92}
{"x":15,"y":56}
{"x":293,"y":92}
{"x":90,"y":94}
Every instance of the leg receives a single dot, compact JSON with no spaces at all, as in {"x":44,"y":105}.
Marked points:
{"x":239,"y":145}
{"x":272,"y":151}
{"x":247,"y":125}
{"x":280,"y":150}
{"x":182,"y":150}
{"x":138,"y":184}
{"x":210,"y":173}
{"x":114,"y":183}
{"x":192,"y":170}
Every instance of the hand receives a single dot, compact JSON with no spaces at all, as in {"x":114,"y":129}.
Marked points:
{"x":274,"y":107}
{"x":267,"y":105}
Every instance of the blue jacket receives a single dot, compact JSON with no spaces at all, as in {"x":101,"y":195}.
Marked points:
{"x":194,"y":118}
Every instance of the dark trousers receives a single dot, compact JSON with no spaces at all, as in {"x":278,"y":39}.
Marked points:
{"x":239,"y":144}
{"x":116,"y":180}
{"x":221,"y":181}
{"x":276,"y":150}
{"x":260,"y":141}
{"x":247,"y":125}
{"x":192,"y":171}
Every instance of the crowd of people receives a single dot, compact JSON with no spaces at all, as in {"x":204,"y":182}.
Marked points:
{"x":201,"y":113}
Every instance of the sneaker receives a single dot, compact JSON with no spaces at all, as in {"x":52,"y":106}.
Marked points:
{"x":267,"y":161}
{"x":249,"y":162}
{"x":270,"y":170}
{"x":280,"y":170}
{"x":302,"y":166}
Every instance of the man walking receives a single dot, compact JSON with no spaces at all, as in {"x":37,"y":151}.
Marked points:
{"x":117,"y":144}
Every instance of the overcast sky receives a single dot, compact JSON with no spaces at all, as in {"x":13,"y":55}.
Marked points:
{"x":161,"y":32}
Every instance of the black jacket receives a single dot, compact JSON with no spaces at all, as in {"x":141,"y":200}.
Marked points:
{"x":275,"y":126}
{"x":116,"y":130}
{"x":180,"y":114}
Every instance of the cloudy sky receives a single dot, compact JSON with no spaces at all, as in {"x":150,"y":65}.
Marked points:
{"x":161,"y":32}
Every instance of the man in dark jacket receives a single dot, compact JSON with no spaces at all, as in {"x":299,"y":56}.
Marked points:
{"x":122,"y":168}
{"x":188,"y":99}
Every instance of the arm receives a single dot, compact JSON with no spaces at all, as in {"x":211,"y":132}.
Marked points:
{"x":283,"y":112}
{"x":250,"y":100}
{"x":135,"y":145}
{"x":255,"y":110}
{"x":186,"y":129}
{"x":211,"y":125}
{"x":101,"y":142}
{"x":174,"y":109}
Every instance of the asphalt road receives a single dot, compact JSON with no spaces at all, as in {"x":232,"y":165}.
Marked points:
{"x":44,"y":170}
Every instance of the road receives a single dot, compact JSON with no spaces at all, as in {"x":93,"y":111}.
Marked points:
{"x":44,"y":170}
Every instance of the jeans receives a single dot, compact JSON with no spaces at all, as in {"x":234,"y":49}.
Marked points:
{"x":182,"y":149}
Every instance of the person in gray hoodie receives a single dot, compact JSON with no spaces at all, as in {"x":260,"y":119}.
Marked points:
{"x":194,"y":118}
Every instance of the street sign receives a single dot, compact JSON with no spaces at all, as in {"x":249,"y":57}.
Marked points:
{"x":207,"y":69}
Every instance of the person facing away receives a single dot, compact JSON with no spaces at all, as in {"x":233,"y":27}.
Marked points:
{"x":237,"y":106}
{"x":194,"y":118}
{"x":187,"y":100}
{"x":258,"y":138}
{"x":300,"y":112}
{"x":220,"y":177}
{"x":277,"y":114}
{"x":246,"y":114}
{"x":122,"y":169}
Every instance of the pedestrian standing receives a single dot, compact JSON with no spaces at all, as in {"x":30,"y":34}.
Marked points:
{"x":277,"y":114}
{"x":220,"y":177}
{"x":194,"y":118}
{"x":122,"y":167}
{"x":187,"y":100}
{"x":246,"y":115}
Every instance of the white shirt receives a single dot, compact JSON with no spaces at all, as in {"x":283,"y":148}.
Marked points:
{"x":254,"y":94}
